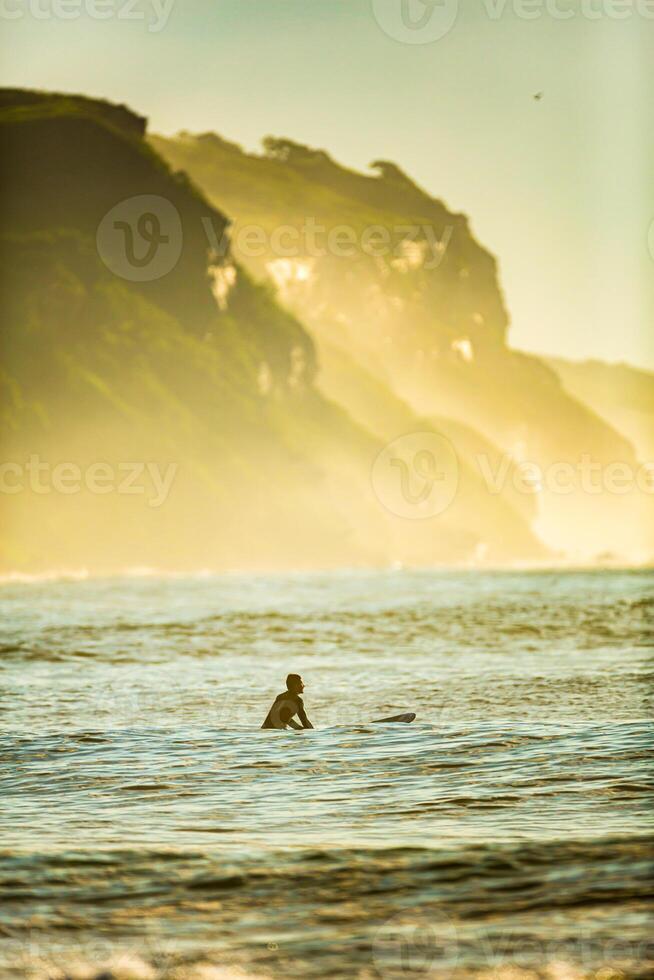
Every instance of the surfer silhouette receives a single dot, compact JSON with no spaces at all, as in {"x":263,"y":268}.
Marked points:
{"x":287,"y":705}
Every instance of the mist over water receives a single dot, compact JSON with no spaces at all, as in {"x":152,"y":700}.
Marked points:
{"x":148,"y":825}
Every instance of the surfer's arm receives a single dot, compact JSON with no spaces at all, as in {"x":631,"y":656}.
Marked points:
{"x":287,"y":719}
{"x":302,"y":715}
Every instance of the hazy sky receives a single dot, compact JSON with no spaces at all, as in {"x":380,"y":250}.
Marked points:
{"x":560,"y":188}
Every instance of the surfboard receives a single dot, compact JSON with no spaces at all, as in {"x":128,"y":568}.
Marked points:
{"x":406,"y":718}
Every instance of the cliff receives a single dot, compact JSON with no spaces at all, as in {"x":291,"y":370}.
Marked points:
{"x":193,"y":370}
{"x":385,"y":274}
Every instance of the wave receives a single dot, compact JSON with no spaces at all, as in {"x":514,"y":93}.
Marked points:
{"x":173,"y":913}
{"x":466,"y":881}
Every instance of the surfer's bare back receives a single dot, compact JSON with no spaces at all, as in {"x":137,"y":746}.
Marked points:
{"x":287,"y":705}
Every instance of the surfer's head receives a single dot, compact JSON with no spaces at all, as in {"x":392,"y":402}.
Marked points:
{"x":294,"y":684}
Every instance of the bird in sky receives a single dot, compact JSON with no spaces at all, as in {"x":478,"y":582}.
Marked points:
{"x":538,"y":96}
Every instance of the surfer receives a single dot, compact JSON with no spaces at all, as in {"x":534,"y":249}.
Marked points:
{"x":287,"y":705}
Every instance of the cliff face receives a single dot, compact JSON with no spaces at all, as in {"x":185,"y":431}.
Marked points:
{"x":196,"y":378}
{"x":387,"y":276}
{"x":377,"y":266}
{"x":618,"y":393}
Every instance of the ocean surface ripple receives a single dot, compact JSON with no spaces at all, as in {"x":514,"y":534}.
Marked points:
{"x":149,"y":828}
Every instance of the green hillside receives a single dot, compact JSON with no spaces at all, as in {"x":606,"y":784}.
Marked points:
{"x":199,"y":369}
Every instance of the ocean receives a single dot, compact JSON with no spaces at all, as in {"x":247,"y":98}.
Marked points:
{"x":149,"y":830}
